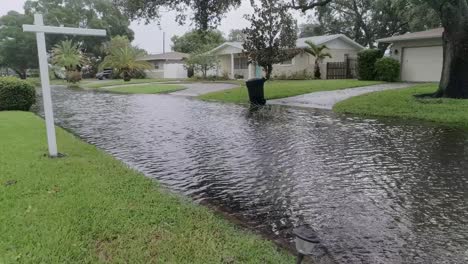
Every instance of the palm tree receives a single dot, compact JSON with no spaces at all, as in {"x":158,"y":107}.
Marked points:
{"x":318,"y":51}
{"x":125,"y":61}
{"x":67,"y":54}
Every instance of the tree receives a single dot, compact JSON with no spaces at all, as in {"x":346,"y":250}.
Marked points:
{"x":197,"y":41}
{"x":236,"y":35}
{"x":365,"y":21}
{"x":310,"y":30}
{"x":318,"y":51}
{"x":67,"y":55}
{"x":18,"y":49}
{"x":101,"y":14}
{"x":454,"y":17}
{"x":125,"y":59}
{"x":271,"y":39}
{"x":202,"y":62}
{"x":206,"y":13}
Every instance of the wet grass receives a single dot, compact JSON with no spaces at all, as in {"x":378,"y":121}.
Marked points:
{"x":402,"y":104}
{"x":282,"y":89}
{"x":145,"y":89}
{"x":90,"y":208}
{"x":96,"y":84}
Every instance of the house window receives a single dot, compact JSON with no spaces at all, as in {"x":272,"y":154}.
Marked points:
{"x":287,"y":62}
{"x":241,"y":63}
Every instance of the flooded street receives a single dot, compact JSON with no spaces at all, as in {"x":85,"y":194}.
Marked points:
{"x":376,"y":191}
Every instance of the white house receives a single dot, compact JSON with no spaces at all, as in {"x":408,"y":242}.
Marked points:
{"x":234,"y":62}
{"x":420,"y":55}
{"x":168,"y":65}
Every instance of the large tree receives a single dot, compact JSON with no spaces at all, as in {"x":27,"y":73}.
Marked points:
{"x":206,"y":13}
{"x":272,"y":36}
{"x":18,"y":49}
{"x":368,"y":20}
{"x":197,"y":41}
{"x":454,"y":16}
{"x":101,"y":14}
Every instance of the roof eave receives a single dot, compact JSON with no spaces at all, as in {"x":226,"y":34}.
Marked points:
{"x":393,"y":40}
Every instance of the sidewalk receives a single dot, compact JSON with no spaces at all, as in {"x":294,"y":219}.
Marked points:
{"x":326,"y":100}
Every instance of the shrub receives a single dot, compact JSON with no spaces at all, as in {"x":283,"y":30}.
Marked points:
{"x":73,"y":76}
{"x":387,"y":69}
{"x":366,"y":63}
{"x":16,"y":94}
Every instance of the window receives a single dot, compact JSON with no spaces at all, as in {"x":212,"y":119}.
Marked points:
{"x":241,"y":63}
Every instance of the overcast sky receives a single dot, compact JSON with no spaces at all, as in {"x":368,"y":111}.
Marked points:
{"x":150,"y":37}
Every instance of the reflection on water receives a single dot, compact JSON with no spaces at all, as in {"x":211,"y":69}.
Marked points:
{"x":376,"y":191}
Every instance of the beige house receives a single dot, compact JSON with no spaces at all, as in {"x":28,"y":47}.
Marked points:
{"x":169,"y":65}
{"x":420,"y":55}
{"x":234,"y":63}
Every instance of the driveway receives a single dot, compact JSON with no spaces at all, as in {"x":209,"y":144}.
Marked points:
{"x":196,"y":89}
{"x":326,"y":100}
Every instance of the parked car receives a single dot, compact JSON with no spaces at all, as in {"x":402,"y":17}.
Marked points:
{"x":105,"y":74}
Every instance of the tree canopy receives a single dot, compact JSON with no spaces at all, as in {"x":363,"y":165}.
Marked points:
{"x":18,"y":49}
{"x":365,"y":21}
{"x":197,"y":41}
{"x":206,"y":13}
{"x":82,"y":13}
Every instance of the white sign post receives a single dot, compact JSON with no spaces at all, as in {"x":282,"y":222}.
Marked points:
{"x":40,"y":31}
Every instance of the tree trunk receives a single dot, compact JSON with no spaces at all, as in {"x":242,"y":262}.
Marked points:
{"x":454,"y":80}
{"x":268,"y":71}
{"x":22,"y":74}
{"x":317,"y":73}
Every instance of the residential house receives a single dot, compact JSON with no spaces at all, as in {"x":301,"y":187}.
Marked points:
{"x":420,"y":55}
{"x":234,"y":62}
{"x":168,"y":65}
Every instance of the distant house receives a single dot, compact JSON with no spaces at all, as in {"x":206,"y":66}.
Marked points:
{"x":168,"y":65}
{"x":234,"y":62}
{"x":420,"y":54}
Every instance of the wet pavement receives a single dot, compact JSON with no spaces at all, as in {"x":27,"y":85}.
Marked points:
{"x":326,"y":100}
{"x":375,"y":191}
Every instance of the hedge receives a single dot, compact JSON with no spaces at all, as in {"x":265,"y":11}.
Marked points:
{"x":366,"y":64}
{"x":387,"y":69}
{"x":16,"y":94}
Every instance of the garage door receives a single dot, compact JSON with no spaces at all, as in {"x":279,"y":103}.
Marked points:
{"x":175,"y":71}
{"x":422,"y":64}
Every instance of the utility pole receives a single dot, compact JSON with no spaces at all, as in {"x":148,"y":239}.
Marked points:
{"x":164,"y":42}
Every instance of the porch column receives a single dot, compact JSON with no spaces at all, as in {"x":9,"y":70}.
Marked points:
{"x":232,"y":65}
{"x":251,"y":75}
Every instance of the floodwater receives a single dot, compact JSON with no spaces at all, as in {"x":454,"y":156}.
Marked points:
{"x":376,"y":191}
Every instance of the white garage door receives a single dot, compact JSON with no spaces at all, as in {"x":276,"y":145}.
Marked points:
{"x":175,"y":71}
{"x":422,"y":64}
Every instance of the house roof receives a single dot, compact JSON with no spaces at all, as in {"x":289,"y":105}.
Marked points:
{"x":166,"y":56}
{"x":320,"y":40}
{"x":428,"y":34}
{"x":300,"y":43}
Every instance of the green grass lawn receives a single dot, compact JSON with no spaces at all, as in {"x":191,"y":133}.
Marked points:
{"x":282,"y":89}
{"x":403,"y":104}
{"x":145,"y":89}
{"x":96,"y":84}
{"x":90,"y":208}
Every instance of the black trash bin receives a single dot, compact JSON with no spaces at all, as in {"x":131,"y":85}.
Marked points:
{"x":256,"y":93}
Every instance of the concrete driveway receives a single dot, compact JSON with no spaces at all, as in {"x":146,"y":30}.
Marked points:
{"x":326,"y":100}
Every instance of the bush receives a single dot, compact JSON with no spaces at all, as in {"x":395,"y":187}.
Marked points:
{"x":387,"y":69}
{"x":16,"y":94}
{"x":366,"y":63}
{"x":73,"y":76}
